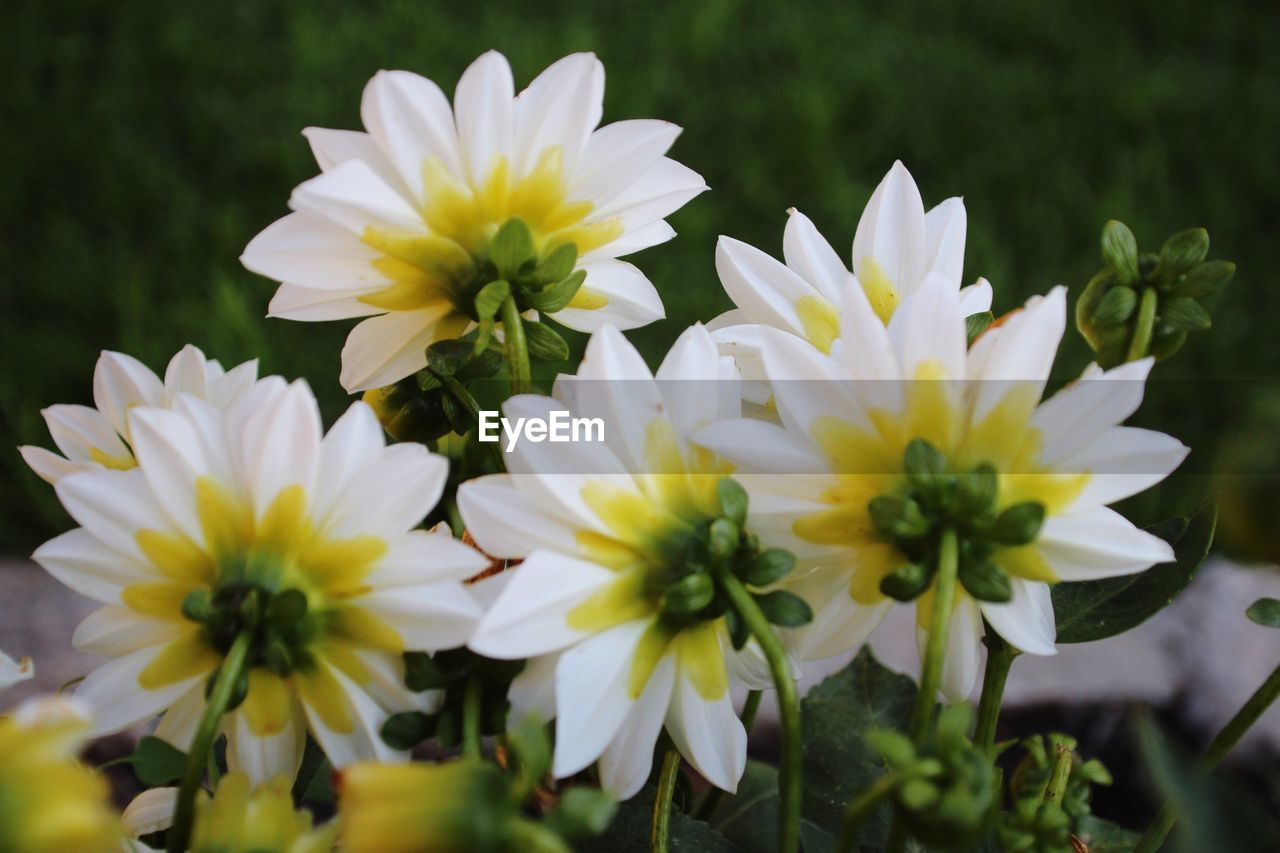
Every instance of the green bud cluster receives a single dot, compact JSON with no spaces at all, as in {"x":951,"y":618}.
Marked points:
{"x":434,"y":402}
{"x":281,"y":623}
{"x":515,"y":270}
{"x":1145,"y":304}
{"x":945,"y":790}
{"x":691,"y":592}
{"x":1042,"y":818}
{"x":1032,"y":773}
{"x":451,"y":671}
{"x":934,"y":499}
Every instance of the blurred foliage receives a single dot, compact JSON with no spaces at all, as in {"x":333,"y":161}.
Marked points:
{"x":146,"y":142}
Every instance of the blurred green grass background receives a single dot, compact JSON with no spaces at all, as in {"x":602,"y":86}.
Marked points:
{"x":146,"y":142}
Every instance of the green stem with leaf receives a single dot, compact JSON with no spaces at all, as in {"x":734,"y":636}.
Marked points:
{"x":944,"y":596}
{"x":1000,"y":657}
{"x":517,"y":348}
{"x":1140,"y":346}
{"x":789,"y":780}
{"x":667,"y":777}
{"x":216,"y":704}
{"x":1258,"y":703}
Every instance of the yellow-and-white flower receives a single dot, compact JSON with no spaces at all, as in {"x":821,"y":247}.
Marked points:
{"x":599,"y":526}
{"x":49,"y":801}
{"x":400,"y":221}
{"x":847,"y":421}
{"x":98,"y":436}
{"x":897,"y":245}
{"x":252,"y":521}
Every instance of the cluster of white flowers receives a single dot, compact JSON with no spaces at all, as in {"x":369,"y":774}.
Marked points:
{"x":214,"y":507}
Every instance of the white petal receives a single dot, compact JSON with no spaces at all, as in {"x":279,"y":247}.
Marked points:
{"x":616,"y":155}
{"x":332,"y":148}
{"x":410,"y":120}
{"x":263,"y":757}
{"x":593,"y":695}
{"x":171,"y":458}
{"x":508,"y":523}
{"x":281,"y":446}
{"x":533,"y":691}
{"x":115,"y":631}
{"x":189,"y":372}
{"x":179,"y":723}
{"x":1074,"y":417}
{"x":892,"y":231}
{"x":392,"y":494}
{"x":364,"y":741}
{"x":121,"y":382}
{"x":765,"y":289}
{"x":308,"y":250}
{"x":633,"y":301}
{"x":354,"y":442}
{"x":310,"y":304}
{"x":1026,"y":620}
{"x":839,"y":625}
{"x":150,"y":812}
{"x":111,"y":505}
{"x":1122,"y":462}
{"x":421,"y":557}
{"x":708,"y":734}
{"x":691,"y":382}
{"x":1019,"y":353}
{"x":561,"y":107}
{"x":807,"y":384}
{"x":975,"y":298}
{"x":427,"y":617}
{"x":88,"y":567}
{"x":79,"y":430}
{"x":353,"y":196}
{"x":757,"y":446}
{"x":964,"y":650}
{"x":12,"y":671}
{"x":945,"y":228}
{"x":1099,"y":543}
{"x":530,"y":616}
{"x":482,"y":107}
{"x":866,"y":352}
{"x":659,"y":191}
{"x":931,"y":330}
{"x":386,"y":349}
{"x":48,"y":465}
{"x":633,"y":241}
{"x":812,"y":257}
{"x":615,"y":385}
{"x":118,"y":700}
{"x":627,"y":760}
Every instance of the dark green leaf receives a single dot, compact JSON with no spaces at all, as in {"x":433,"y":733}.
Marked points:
{"x":286,"y":609}
{"x":1205,"y":280}
{"x":1094,"y":610}
{"x":511,"y":246}
{"x":749,"y":818}
{"x":1166,"y":341}
{"x":733,"y":500}
{"x":976,"y":490}
{"x":768,"y":567}
{"x":1019,"y":524}
{"x":632,"y":825}
{"x":1185,"y":314}
{"x":907,"y":582}
{"x":490,"y":298}
{"x":689,"y":594}
{"x":556,"y":265}
{"x":481,"y":365}
{"x":784,"y":608}
{"x":1265,"y":611}
{"x":1120,"y":250}
{"x":157,"y":762}
{"x":898,"y":517}
{"x":558,"y":295}
{"x":838,"y":759}
{"x":448,"y":357}
{"x":582,"y":813}
{"x":924,"y":464}
{"x":976,"y":324}
{"x":422,"y":672}
{"x":1183,"y":251}
{"x":738,"y":632}
{"x":545,"y":343}
{"x":986,"y":581}
{"x":724,"y":537}
{"x":1116,"y":307}
{"x":407,"y":729}
{"x":313,"y":762}
{"x":530,"y":751}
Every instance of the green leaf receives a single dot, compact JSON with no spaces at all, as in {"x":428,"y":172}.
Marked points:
{"x":422,"y":672}
{"x":1018,"y":524}
{"x":976,"y":324}
{"x":557,"y":296}
{"x":924,"y":464}
{"x":1116,"y":307}
{"x":976,"y":490}
{"x":448,"y":357}
{"x":1120,"y":251}
{"x":1103,"y":836}
{"x":313,"y":763}
{"x":733,"y":500}
{"x":784,"y":608}
{"x":898,"y":517}
{"x":839,"y":761}
{"x":632,"y":825}
{"x":737,"y":628}
{"x":749,"y":818}
{"x":1183,"y":251}
{"x":1266,"y":612}
{"x":556,"y":265}
{"x":986,"y":581}
{"x":490,"y":298}
{"x":1185,"y":314}
{"x":768,"y":567}
{"x":407,"y":729}
{"x":511,"y":247}
{"x":1205,"y":280}
{"x":582,"y":813}
{"x":689,"y":594}
{"x":157,"y":762}
{"x":1094,"y":610}
{"x":544,"y":342}
{"x":907,"y":582}
{"x":1166,"y":341}
{"x":530,"y":752}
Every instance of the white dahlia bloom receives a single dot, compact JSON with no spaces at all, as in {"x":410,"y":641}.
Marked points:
{"x":98,"y":437}
{"x":252,"y":521}
{"x":896,"y":247}
{"x":398,"y":225}
{"x":842,"y":443}
{"x":600,"y":527}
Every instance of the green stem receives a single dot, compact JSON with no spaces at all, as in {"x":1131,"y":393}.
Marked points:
{"x":1000,"y":657}
{"x":516,"y":347}
{"x":789,"y":780}
{"x":1058,"y":779}
{"x":471,"y":708}
{"x":861,"y":807}
{"x":714,"y":795}
{"x":662,"y":803}
{"x":1140,"y":346}
{"x":1230,"y":735}
{"x":939,"y":631}
{"x":206,"y":732}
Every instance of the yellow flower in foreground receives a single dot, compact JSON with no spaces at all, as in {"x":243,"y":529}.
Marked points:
{"x":49,"y":801}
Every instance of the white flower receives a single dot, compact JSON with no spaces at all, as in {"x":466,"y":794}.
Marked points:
{"x":12,"y":671}
{"x":596,"y":525}
{"x":99,"y":437}
{"x":843,"y":441}
{"x":399,"y":223}
{"x":253,"y":520}
{"x":895,"y":248}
